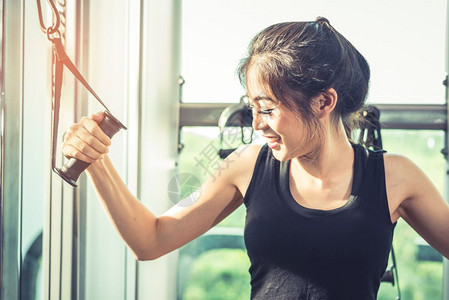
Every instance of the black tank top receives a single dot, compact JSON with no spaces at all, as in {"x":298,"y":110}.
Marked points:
{"x":302,"y":253}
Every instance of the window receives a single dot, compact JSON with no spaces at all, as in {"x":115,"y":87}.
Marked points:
{"x":418,"y":278}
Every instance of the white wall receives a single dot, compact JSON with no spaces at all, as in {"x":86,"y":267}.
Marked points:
{"x":403,"y":41}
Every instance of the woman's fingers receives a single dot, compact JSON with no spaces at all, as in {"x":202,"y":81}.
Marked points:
{"x":98,"y":117}
{"x":85,"y":140}
{"x":90,"y":147}
{"x":71,"y":151}
{"x":94,"y":129}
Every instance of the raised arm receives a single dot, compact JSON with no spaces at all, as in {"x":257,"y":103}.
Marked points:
{"x":415,"y":198}
{"x":147,"y":235}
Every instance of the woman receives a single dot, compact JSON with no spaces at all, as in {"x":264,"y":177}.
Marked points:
{"x":320,"y":210}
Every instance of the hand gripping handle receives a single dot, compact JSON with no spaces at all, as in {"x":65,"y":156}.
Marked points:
{"x":74,"y":167}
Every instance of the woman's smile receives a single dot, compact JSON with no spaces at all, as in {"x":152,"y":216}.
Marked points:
{"x":272,"y":141}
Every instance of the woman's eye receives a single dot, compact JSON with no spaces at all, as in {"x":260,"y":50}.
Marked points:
{"x":265,"y":111}
{"x":260,"y":111}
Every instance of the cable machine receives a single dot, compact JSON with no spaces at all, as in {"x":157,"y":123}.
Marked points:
{"x":110,"y":124}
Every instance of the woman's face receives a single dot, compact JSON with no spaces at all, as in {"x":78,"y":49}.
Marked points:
{"x":282,"y":128}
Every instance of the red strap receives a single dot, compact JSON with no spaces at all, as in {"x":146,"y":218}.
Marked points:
{"x":61,"y":59}
{"x":61,"y":56}
{"x":57,"y":77}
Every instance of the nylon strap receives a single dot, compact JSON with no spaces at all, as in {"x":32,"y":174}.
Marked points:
{"x":57,"y":78}
{"x":60,"y":59}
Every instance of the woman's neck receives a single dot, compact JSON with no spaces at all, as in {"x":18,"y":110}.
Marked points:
{"x":333,"y":156}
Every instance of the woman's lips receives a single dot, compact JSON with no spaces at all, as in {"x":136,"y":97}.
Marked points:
{"x":273,"y":141}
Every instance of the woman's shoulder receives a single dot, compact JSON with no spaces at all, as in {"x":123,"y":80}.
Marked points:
{"x":399,"y":165}
{"x":241,"y":164}
{"x":244,"y":157}
{"x":414,"y":197}
{"x":401,"y":171}
{"x":403,"y":179}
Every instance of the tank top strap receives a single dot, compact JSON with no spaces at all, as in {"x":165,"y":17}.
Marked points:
{"x":360,"y":162}
{"x":374,"y":186}
{"x":376,"y":153}
{"x":265,"y":163}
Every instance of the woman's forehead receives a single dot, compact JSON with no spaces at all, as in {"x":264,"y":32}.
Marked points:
{"x":258,"y":89}
{"x":262,"y":98}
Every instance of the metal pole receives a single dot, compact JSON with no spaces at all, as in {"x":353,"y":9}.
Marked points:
{"x":161,"y":38}
{"x":445,"y":261}
{"x":11,"y":147}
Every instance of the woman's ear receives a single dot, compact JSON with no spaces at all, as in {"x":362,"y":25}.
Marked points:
{"x":326,"y":102}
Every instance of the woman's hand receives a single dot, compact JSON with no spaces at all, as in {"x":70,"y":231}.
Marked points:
{"x":85,"y":140}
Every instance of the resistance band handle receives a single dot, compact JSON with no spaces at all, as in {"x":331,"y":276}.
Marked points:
{"x":74,"y":167}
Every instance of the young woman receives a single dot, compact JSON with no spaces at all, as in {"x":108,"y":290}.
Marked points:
{"x":320,"y":210}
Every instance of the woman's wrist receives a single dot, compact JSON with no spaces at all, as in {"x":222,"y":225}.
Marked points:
{"x":98,"y":167}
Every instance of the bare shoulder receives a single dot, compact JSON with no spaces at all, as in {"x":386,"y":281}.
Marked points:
{"x":404,"y":181}
{"x":399,"y":168}
{"x":241,"y":164}
{"x":413,"y":197}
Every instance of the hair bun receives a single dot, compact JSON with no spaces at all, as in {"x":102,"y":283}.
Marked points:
{"x":322,"y":20}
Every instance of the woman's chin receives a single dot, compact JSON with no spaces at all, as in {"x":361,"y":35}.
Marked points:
{"x":280,"y":155}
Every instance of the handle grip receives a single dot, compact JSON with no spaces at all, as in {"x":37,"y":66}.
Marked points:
{"x":74,"y":167}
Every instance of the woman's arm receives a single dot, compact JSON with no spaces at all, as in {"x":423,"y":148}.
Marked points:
{"x":146,"y":235}
{"x":420,"y":204}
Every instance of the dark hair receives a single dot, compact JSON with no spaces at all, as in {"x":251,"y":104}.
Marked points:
{"x":298,"y":60}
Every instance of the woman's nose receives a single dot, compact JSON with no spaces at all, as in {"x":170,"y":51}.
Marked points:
{"x":259,"y":121}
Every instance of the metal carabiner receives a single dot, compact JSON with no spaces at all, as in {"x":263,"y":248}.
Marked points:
{"x":57,"y":19}
{"x":52,"y":35}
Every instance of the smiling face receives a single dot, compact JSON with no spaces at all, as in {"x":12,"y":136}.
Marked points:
{"x":285,"y":131}
{"x":298,"y":62}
